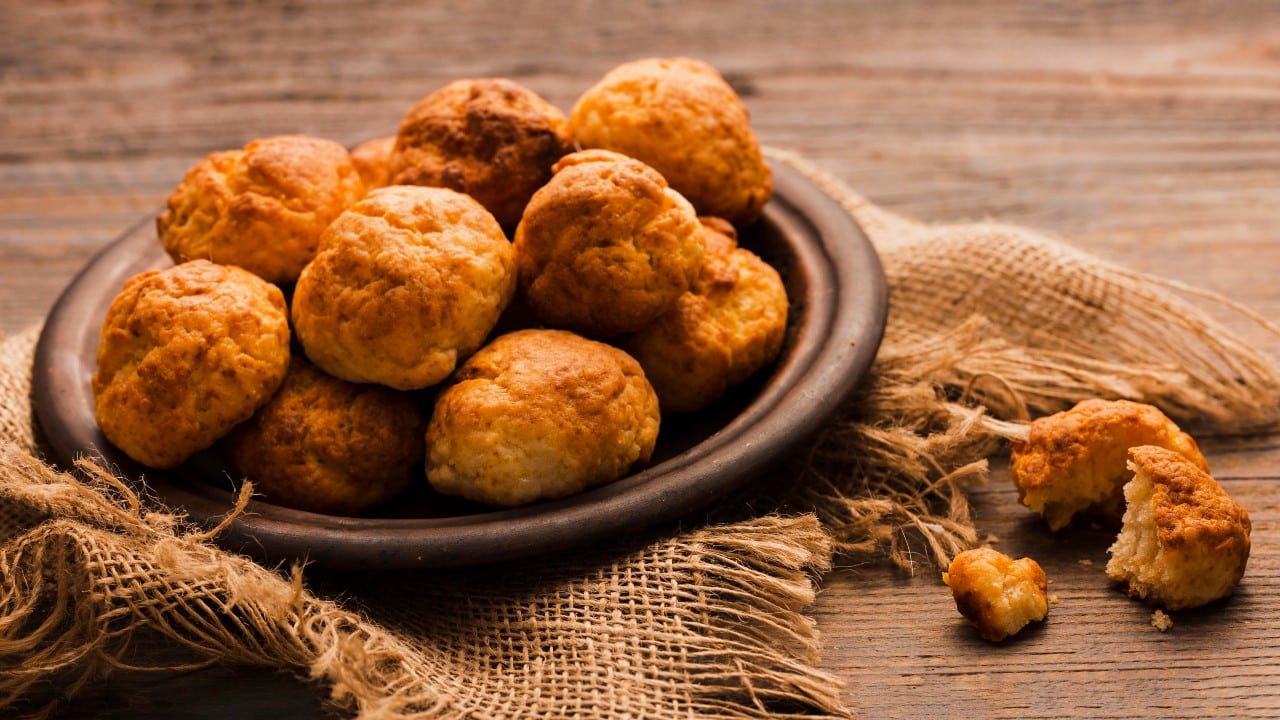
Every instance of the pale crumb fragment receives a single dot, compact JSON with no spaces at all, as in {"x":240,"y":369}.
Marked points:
{"x":1085,"y":562}
{"x":991,"y":539}
{"x":1053,"y":599}
{"x":1161,"y":621}
{"x":1184,"y":542}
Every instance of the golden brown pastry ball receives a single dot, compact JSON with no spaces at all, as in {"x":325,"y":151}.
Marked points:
{"x":1075,"y":460}
{"x":184,"y":355}
{"x":372,"y":159}
{"x":1184,"y":542}
{"x":728,"y":325}
{"x":606,"y":247}
{"x":330,"y":446}
{"x":490,"y":138}
{"x":540,"y":414}
{"x":681,"y":117}
{"x":262,"y":208}
{"x":997,"y":594}
{"x":407,"y":283}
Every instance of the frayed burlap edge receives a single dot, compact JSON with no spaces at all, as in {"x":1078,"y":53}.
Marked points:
{"x":79,"y":585}
{"x":958,"y":374}
{"x":17,"y":418}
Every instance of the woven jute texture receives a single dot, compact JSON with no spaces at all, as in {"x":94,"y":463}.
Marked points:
{"x":989,"y":325}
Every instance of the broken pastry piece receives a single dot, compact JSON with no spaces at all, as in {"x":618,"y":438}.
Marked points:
{"x":997,"y":594}
{"x":1185,"y":542}
{"x":1074,"y":461}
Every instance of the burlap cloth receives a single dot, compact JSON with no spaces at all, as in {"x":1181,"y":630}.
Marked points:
{"x":988,"y":324}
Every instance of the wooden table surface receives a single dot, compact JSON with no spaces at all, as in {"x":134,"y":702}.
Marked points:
{"x":1146,"y":132}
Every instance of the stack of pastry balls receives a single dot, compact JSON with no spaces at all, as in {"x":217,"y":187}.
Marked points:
{"x":401,"y":260}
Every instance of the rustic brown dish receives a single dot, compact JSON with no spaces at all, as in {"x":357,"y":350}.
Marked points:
{"x":839,"y":304}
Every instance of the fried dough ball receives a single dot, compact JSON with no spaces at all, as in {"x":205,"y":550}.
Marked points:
{"x":330,"y":446}
{"x":262,"y":208}
{"x":540,"y":414}
{"x":680,"y":117}
{"x":372,"y":159}
{"x":184,"y":355}
{"x":1184,"y":542}
{"x":606,"y":247}
{"x":407,"y":283}
{"x":728,"y":325}
{"x":1074,"y":461}
{"x":997,"y":594}
{"x":490,"y":138}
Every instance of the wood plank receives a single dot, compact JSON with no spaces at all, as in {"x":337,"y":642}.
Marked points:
{"x":1093,"y":656}
{"x":1144,"y":131}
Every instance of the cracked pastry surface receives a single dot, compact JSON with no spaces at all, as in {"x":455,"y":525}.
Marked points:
{"x":540,"y":414}
{"x":997,"y":594}
{"x":606,"y":247}
{"x":407,"y":283}
{"x":490,"y":138}
{"x":1075,"y":461}
{"x":1184,"y":542}
{"x":184,"y":355}
{"x":330,"y":446}
{"x":262,"y":207}
{"x":728,"y":325}
{"x":679,"y":116}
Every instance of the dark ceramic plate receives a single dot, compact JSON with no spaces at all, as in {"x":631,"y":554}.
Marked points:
{"x":839,"y":302}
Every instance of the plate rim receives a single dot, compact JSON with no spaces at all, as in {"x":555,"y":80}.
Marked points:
{"x":854,"y":290}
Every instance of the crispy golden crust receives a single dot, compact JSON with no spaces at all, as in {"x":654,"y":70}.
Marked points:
{"x":681,"y":117}
{"x":372,"y":159}
{"x":1184,"y":542}
{"x":540,"y":414}
{"x":184,"y":355}
{"x":606,"y":247}
{"x":262,"y":208}
{"x":490,"y":138}
{"x":997,"y":594}
{"x":1074,"y":461}
{"x":330,"y":446}
{"x":729,"y":324}
{"x":407,"y":283}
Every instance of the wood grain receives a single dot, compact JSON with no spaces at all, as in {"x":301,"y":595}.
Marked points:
{"x":1146,"y":132}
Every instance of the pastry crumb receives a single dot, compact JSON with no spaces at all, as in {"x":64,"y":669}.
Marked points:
{"x":1053,"y":600}
{"x":997,"y":594}
{"x":1161,"y":621}
{"x":991,"y":539}
{"x":1085,"y":562}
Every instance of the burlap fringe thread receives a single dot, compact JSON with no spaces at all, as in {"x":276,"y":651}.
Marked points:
{"x":989,"y":325}
{"x":100,"y":568}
